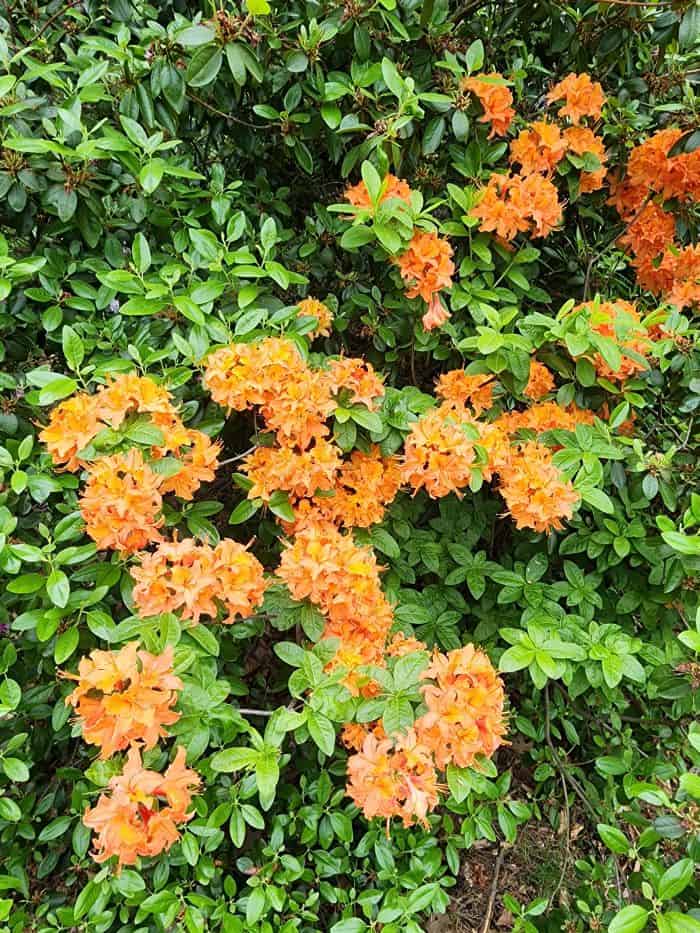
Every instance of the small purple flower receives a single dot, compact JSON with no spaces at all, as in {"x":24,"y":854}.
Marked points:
{"x":114,"y":305}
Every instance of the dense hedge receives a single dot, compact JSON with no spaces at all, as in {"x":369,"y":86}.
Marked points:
{"x":349,"y":533}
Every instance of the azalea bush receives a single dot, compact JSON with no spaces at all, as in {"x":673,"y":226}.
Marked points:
{"x":349,"y":519}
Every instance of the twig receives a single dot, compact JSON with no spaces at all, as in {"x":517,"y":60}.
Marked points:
{"x":220,"y":113}
{"x":254,"y":712}
{"x":494,"y":890}
{"x":237,"y":457}
{"x":52,"y":19}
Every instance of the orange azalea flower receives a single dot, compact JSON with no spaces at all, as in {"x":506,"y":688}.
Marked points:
{"x":495,"y":439}
{"x":540,"y":148}
{"x":358,"y":378}
{"x":312,"y":307}
{"x":124,"y":696}
{"x":534,"y":491}
{"x":121,"y":503}
{"x":388,"y":779}
{"x":579,"y":139}
{"x":459,"y":389}
{"x":72,"y":425}
{"x":200,"y":461}
{"x":512,"y":204}
{"x":540,"y":381}
{"x":465,"y":715}
{"x":246,"y":374}
{"x":545,"y":416}
{"x":438,"y":455}
{"x":582,"y":97}
{"x":130,"y":393}
{"x":495,"y":98}
{"x":342,"y":579}
{"x":196,"y":579}
{"x":131,"y":820}
{"x":650,"y":232}
{"x":300,"y":473}
{"x":366,"y":484}
{"x":649,"y":165}
{"x":298,"y":410}
{"x":436,"y":315}
{"x":355,"y":733}
{"x":392,"y":187}
{"x":401,"y":645}
{"x":427,"y":263}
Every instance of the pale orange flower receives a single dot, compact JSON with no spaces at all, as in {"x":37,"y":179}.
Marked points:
{"x":392,"y":187}
{"x":300,"y":473}
{"x":387,"y":779}
{"x":141,"y":813}
{"x":312,"y":307}
{"x":580,"y":139}
{"x":200,"y":459}
{"x":460,"y":389}
{"x":298,"y":409}
{"x":72,"y":425}
{"x":540,"y":381}
{"x":650,"y":232}
{"x":355,"y":733}
{"x":401,"y":645}
{"x":342,"y":579}
{"x":124,"y":696}
{"x":438,"y":456}
{"x":545,"y":416}
{"x":534,"y":491}
{"x":121,"y":503}
{"x":436,"y":315}
{"x":129,"y":393}
{"x":196,"y":579}
{"x":495,"y":98}
{"x":539,"y":148}
{"x":358,"y":378}
{"x":582,"y":97}
{"x":512,"y":204}
{"x":427,"y":264}
{"x":246,"y":374}
{"x":365,"y":485}
{"x":465,"y":716}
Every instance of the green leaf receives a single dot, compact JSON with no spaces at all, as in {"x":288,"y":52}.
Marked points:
{"x":676,"y":879}
{"x":267,"y":773}
{"x":516,"y":658}
{"x":204,"y":66}
{"x":475,"y":56}
{"x":73,"y":348}
{"x":257,"y":7}
{"x":58,"y":588}
{"x":280,"y":506}
{"x":597,"y":498}
{"x":355,"y":237}
{"x":613,"y":838}
{"x":630,"y":919}
{"x":15,"y":769}
{"x":234,"y":759}
{"x":151,"y":175}
{"x":689,"y":28}
{"x":141,"y":253}
{"x":321,"y":731}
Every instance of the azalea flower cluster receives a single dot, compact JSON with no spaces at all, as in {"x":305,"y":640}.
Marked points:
{"x":527,"y":201}
{"x":124,"y":492}
{"x":124,"y":700}
{"x":655,"y":185}
{"x":426,"y":264}
{"x":295,"y":402}
{"x":197,"y":579}
{"x":397,"y":776}
{"x":448,"y":443}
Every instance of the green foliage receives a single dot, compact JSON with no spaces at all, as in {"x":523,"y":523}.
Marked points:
{"x":171,"y":176}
